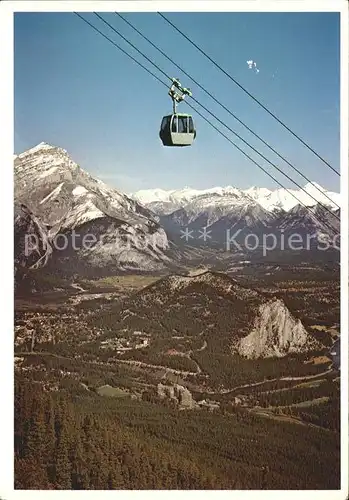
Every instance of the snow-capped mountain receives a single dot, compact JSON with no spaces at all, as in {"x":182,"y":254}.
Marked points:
{"x":303,"y":217}
{"x":217,"y":213}
{"x":286,"y":199}
{"x":61,"y":199}
{"x":256,"y":210}
{"x":209,"y":208}
{"x":78,"y":224}
{"x":165,"y":202}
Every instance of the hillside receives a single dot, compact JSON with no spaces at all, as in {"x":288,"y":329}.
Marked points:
{"x":191,"y":322}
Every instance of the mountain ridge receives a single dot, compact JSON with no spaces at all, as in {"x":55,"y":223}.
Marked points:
{"x":164,"y":201}
{"x":62,"y":198}
{"x":57,"y":192}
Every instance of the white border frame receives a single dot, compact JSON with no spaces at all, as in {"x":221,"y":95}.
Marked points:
{"x":7,"y":9}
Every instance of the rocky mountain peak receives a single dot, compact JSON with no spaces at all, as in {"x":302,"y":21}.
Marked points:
{"x":64,"y":197}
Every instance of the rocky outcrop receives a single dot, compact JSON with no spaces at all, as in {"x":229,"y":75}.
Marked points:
{"x":32,"y":247}
{"x":221,"y":310}
{"x":181,"y":395}
{"x":276,"y":333}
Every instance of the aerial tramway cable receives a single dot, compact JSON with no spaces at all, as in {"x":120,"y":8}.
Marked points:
{"x":220,"y":121}
{"x":248,"y":93}
{"x":203,"y":116}
{"x":224,"y":107}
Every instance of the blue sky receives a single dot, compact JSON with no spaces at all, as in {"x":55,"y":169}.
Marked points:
{"x":76,"y":90}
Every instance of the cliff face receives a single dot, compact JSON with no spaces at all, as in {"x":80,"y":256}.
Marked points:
{"x":275,"y":333}
{"x":82,"y":225}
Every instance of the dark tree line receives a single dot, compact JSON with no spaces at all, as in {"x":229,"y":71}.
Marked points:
{"x":65,"y":440}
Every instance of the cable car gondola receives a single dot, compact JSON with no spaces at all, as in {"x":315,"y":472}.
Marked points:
{"x":177,"y":129}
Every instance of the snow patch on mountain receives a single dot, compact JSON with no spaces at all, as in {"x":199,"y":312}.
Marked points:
{"x":287,"y":199}
{"x":46,"y":173}
{"x":79,"y":190}
{"x":84,"y":212}
{"x":53,"y":193}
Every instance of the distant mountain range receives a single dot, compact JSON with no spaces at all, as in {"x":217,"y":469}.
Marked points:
{"x":167,"y":201}
{"x":58,"y":206}
{"x":254,"y":210}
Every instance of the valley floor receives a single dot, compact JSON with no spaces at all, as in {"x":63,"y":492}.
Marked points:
{"x":82,"y":355}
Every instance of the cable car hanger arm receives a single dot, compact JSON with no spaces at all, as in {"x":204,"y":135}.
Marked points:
{"x":177,"y":93}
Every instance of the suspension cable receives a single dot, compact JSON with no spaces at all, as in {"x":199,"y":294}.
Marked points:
{"x":248,"y":93}
{"x":219,"y":120}
{"x":206,"y":119}
{"x":224,"y":107}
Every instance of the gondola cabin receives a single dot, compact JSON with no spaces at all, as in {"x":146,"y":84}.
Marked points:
{"x":177,"y":130}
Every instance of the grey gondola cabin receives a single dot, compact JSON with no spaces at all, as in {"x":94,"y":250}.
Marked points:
{"x":177,"y":129}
